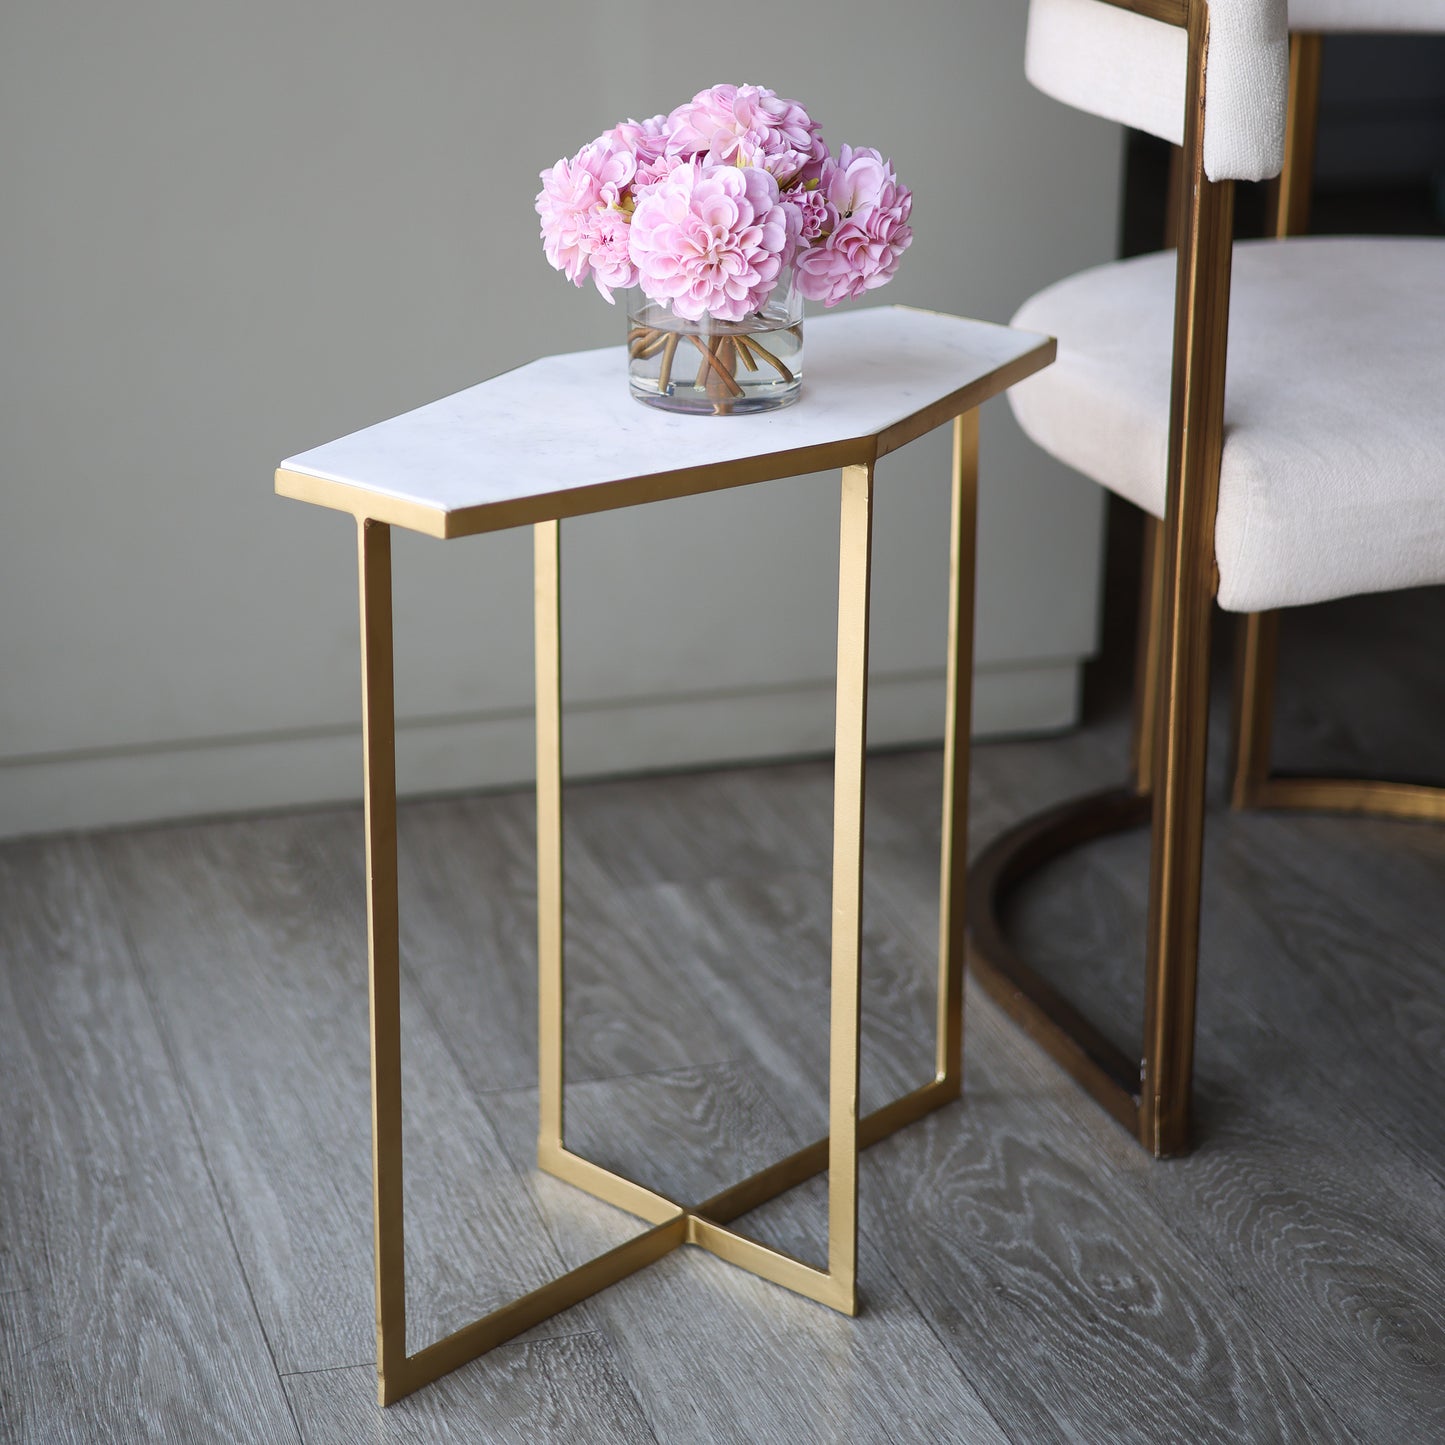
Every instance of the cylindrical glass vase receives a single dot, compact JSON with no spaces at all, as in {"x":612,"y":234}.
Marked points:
{"x":716,"y":368}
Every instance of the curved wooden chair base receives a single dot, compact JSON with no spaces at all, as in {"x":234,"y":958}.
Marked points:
{"x":1413,"y":802}
{"x":1111,"y":1076}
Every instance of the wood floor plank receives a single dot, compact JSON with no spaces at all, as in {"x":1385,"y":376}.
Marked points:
{"x":687,"y":1133}
{"x":1078,"y":1313}
{"x":715,"y":1353}
{"x":124,"y":1312}
{"x":254,"y":936}
{"x":531,"y":1392}
{"x":1355,"y":910}
{"x":1301,"y":1189}
{"x":468,"y":907}
{"x":689,"y":827}
{"x":756,"y":954}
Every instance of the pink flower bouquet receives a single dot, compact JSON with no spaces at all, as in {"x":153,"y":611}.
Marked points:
{"x":725,"y":214}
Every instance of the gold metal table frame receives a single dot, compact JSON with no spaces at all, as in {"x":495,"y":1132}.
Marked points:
{"x":915,"y":371}
{"x":673,"y":1223}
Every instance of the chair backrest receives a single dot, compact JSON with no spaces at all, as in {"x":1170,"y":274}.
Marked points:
{"x":1212,"y":76}
{"x":1128,"y":61}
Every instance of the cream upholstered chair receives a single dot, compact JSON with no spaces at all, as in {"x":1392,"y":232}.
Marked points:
{"x":1318,"y":472}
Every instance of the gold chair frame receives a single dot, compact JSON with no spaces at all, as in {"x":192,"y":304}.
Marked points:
{"x":1150,"y":1096}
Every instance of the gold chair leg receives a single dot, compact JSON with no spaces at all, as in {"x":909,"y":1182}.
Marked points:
{"x":1196,"y":445}
{"x":1146,"y":657}
{"x":1254,"y":785}
{"x":1256,"y":658}
{"x":1176,"y":861}
{"x":378,"y":731}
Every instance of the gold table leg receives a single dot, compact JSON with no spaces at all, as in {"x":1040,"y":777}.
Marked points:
{"x":672,"y":1224}
{"x":958,"y":721}
{"x":547,"y":613}
{"x":855,"y":549}
{"x":378,"y":734}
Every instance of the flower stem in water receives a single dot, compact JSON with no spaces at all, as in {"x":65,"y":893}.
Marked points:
{"x":669,"y":350}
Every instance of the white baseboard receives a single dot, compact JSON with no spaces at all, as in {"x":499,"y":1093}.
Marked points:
{"x":107,"y":788}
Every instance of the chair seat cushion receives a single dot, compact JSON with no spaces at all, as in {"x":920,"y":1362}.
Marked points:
{"x":1333,"y":478}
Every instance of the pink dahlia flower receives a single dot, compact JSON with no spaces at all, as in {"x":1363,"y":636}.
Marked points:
{"x":855,"y":179}
{"x":649,"y":172}
{"x":745,"y":125}
{"x":566,"y":202}
{"x":647,"y":140}
{"x":870,"y":235}
{"x":818,"y":160}
{"x":711,"y":239}
{"x":607,"y":237}
{"x":642,"y":137}
{"x":572,"y":194}
{"x":612,"y":161}
{"x":815,"y":215}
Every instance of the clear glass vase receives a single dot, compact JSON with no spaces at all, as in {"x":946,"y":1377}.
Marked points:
{"x":716,"y":368}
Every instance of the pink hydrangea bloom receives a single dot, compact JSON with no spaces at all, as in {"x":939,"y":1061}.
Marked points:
{"x":744,"y":125}
{"x":711,"y":239}
{"x":870,"y":235}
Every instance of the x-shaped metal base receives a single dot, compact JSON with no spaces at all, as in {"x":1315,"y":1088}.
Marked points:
{"x":672,"y":1224}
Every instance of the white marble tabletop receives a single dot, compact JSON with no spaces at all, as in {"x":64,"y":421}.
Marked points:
{"x":563,"y":436}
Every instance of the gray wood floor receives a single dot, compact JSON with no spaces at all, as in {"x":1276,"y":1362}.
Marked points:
{"x":184,"y":1196}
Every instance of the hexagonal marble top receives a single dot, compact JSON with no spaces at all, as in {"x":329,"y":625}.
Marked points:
{"x":563,"y":436}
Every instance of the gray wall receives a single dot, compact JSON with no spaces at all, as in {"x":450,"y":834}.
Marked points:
{"x":233,"y":231}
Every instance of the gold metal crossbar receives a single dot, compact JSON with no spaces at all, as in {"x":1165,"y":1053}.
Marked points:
{"x":702,"y":1225}
{"x":672,"y":1224}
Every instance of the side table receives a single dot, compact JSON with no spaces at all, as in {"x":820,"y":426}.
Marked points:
{"x":561,"y":438}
